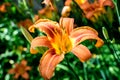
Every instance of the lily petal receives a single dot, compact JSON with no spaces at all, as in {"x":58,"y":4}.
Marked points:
{"x":33,"y":51}
{"x":24,"y":62}
{"x":82,"y":52}
{"x":27,"y":68}
{"x":84,"y":28}
{"x":90,"y":14}
{"x":67,"y":24}
{"x":83,"y":33}
{"x":106,"y":3}
{"x":39,"y":41}
{"x":47,"y":26}
{"x":11,"y":71}
{"x":79,"y":2}
{"x":48,"y":62}
{"x":16,"y":75}
{"x":25,"y":75}
{"x":48,"y":4}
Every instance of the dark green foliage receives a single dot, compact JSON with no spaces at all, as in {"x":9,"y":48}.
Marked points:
{"x":104,"y":65}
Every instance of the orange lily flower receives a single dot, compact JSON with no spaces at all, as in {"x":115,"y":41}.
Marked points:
{"x":3,"y":7}
{"x":94,"y":9}
{"x":61,"y":38}
{"x":48,"y":10}
{"x":20,"y":70}
{"x":45,"y":12}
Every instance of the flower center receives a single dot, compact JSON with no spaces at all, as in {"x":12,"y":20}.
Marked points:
{"x":20,"y":69}
{"x":62,"y":44}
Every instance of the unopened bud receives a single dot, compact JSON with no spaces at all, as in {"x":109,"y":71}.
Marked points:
{"x":105,"y":33}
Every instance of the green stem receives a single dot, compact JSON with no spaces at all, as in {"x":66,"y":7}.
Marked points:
{"x":71,"y":68}
{"x":101,"y":71}
{"x":110,"y":45}
{"x":117,"y":11}
{"x":112,"y":49}
{"x":85,"y":71}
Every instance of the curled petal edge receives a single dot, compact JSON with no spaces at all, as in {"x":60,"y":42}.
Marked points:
{"x":48,"y":63}
{"x":82,"y":53}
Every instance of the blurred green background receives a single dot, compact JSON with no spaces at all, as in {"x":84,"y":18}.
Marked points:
{"x":104,"y":65}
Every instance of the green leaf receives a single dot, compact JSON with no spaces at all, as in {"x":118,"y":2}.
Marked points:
{"x":26,"y":34}
{"x":60,"y":66}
